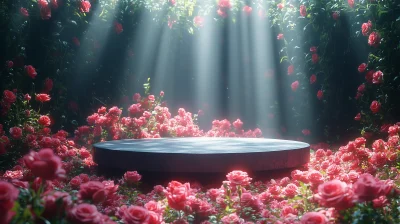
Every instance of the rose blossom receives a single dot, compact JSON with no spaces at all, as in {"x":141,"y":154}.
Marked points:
{"x":375,"y":106}
{"x":84,"y":6}
{"x":31,"y":71}
{"x":44,"y":164}
{"x":367,"y":187}
{"x":374,"y":39}
{"x":334,"y":193}
{"x":238,"y":177}
{"x":295,"y":85}
{"x":313,"y":218}
{"x":177,"y":194}
{"x":93,"y":190}
{"x":9,"y":96}
{"x":44,"y":120}
{"x":362,"y":67}
{"x":132,"y":177}
{"x":16,"y":132}
{"x":303,"y":11}
{"x":84,"y":214}
{"x":136,"y":215}
{"x":42,"y":97}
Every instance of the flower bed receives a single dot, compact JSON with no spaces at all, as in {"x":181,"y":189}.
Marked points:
{"x":57,"y":183}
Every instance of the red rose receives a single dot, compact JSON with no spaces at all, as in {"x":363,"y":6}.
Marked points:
{"x":198,"y":21}
{"x":362,"y":67}
{"x":247,"y":9}
{"x":42,"y":3}
{"x":8,"y":194}
{"x":377,"y":77}
{"x":361,"y":88}
{"x":335,"y":15}
{"x":85,"y":6}
{"x":84,"y":214}
{"x":118,"y":28}
{"x":31,"y":71}
{"x":94,"y":190}
{"x":357,"y":117}
{"x":320,"y":94}
{"x":366,"y":28}
{"x":313,"y":218}
{"x":313,"y":49}
{"x":369,"y":76}
{"x":44,"y":120}
{"x":280,"y":36}
{"x":16,"y":132}
{"x":224,"y":4}
{"x":374,"y":39}
{"x":375,"y":106}
{"x":313,"y":79}
{"x":9,"y":96}
{"x":303,"y":11}
{"x":24,"y":12}
{"x":177,"y":194}
{"x":45,"y":164}
{"x":45,"y":13}
{"x":132,"y":177}
{"x":351,"y":3}
{"x":238,"y":177}
{"x":136,"y":215}
{"x":75,"y":182}
{"x":367,"y":187}
{"x":334,"y":193}
{"x":42,"y":97}
{"x":55,"y":203}
{"x":295,"y":85}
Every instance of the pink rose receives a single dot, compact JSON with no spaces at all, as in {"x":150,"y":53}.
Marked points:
{"x":93,"y":190}
{"x":362,"y":67}
{"x":374,"y":39}
{"x":132,"y":177}
{"x":314,"y":218}
{"x":85,"y":6}
{"x":44,"y":164}
{"x":303,"y":11}
{"x":177,"y":194}
{"x":44,"y":120}
{"x":84,"y":214}
{"x":334,"y":193}
{"x":367,"y":187}
{"x":295,"y":85}
{"x":238,"y":177}
{"x":136,"y":215}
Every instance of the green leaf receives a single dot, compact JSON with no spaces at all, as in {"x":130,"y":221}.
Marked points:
{"x":284,"y":58}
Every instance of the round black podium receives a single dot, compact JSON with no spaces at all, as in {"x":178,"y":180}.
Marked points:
{"x":199,"y":157}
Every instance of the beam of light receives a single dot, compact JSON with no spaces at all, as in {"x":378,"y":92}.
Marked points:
{"x":207,"y":68}
{"x":99,"y":31}
{"x":265,"y":91}
{"x":145,"y":44}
